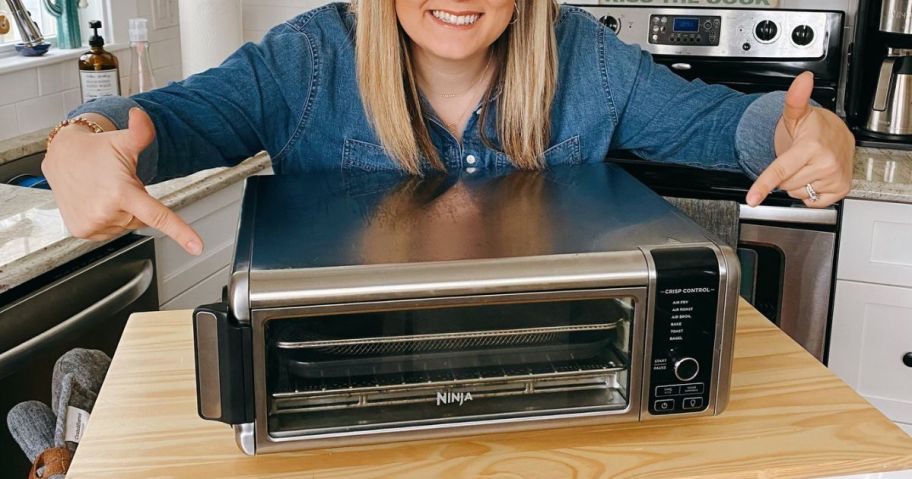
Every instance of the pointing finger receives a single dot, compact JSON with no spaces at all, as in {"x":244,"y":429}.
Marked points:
{"x":775,"y":174}
{"x":150,"y":211}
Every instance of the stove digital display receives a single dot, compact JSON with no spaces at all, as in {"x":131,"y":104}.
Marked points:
{"x":687,"y":24}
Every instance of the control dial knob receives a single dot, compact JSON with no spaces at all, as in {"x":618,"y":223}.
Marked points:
{"x":611,"y":22}
{"x":766,"y":30}
{"x":803,"y":35}
{"x":686,"y":368}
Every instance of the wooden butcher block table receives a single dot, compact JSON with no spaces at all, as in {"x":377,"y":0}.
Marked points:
{"x":788,"y":417}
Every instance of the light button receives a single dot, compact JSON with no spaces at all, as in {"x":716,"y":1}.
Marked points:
{"x":693,"y":403}
{"x":471,"y":159}
{"x":471,"y":170}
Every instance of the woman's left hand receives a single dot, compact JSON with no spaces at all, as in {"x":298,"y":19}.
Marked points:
{"x":814,"y":147}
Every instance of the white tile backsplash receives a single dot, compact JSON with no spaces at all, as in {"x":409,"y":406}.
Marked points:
{"x":18,"y":86}
{"x":40,"y":112}
{"x":58,"y":77}
{"x":8,"y":124}
{"x":72,"y":99}
{"x":165,"y":53}
{"x":168,"y":74}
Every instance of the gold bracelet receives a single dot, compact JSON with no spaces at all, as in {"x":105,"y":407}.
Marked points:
{"x":96,"y":128}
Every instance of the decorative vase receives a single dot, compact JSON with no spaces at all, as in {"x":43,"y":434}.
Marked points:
{"x":67,"y":14}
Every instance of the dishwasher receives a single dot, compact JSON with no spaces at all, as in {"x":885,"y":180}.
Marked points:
{"x":84,"y":303}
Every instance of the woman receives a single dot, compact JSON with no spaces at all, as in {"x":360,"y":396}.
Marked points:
{"x":469,"y":86}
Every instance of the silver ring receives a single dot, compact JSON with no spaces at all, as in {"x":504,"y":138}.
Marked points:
{"x":811,"y":193}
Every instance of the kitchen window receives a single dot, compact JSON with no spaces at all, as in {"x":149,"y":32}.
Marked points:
{"x":42,"y":18}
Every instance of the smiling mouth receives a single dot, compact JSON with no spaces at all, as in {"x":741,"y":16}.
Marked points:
{"x":454,"y":19}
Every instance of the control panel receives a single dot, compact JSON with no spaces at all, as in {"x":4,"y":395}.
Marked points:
{"x":685,"y":30}
{"x":683,"y":330}
{"x":721,"y":32}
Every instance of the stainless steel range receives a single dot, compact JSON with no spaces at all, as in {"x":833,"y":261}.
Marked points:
{"x":787,"y":251}
{"x":749,"y":49}
{"x":376,"y":308}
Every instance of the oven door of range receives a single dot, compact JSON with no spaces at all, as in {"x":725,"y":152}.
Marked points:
{"x":787,"y":257}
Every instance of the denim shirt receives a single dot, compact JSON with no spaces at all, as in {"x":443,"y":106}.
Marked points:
{"x":295,"y":95}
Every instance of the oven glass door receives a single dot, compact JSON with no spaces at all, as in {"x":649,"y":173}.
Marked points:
{"x":375,"y":370}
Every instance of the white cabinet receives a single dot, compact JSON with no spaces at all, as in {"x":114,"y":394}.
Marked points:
{"x":186,"y":281}
{"x":872,"y":311}
{"x":876,"y":243}
{"x":872,"y":331}
{"x":206,"y":291}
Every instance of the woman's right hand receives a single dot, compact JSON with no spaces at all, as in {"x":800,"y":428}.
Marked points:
{"x":93,"y":178}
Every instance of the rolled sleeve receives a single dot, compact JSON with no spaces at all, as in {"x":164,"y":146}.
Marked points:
{"x":117,"y":110}
{"x":756,"y":133}
{"x":755,"y":137}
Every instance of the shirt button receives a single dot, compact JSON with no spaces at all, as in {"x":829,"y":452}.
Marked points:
{"x":471,"y":170}
{"x":471,"y":159}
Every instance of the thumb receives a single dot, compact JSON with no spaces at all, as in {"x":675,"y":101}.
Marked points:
{"x":150,"y":211}
{"x":797,"y":101}
{"x":139,"y":134}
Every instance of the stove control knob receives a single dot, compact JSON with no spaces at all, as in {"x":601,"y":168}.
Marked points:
{"x":611,"y":22}
{"x":766,"y":31}
{"x":686,"y":369}
{"x":803,"y":35}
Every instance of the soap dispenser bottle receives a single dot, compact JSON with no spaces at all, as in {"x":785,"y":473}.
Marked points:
{"x":99,"y":74}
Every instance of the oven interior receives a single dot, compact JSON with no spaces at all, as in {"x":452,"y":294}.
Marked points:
{"x":373,"y":370}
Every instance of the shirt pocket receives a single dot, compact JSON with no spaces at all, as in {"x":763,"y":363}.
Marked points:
{"x":363,"y":156}
{"x":566,"y":152}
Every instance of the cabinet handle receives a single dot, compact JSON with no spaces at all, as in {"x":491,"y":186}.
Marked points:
{"x":907,"y":359}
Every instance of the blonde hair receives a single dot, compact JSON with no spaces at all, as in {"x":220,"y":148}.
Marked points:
{"x":526,"y":70}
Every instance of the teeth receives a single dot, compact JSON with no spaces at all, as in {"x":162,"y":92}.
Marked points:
{"x":454,"y":19}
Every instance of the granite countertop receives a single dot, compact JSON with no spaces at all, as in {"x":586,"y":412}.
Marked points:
{"x":884,"y":175}
{"x":22,"y":146}
{"x":33,"y":238}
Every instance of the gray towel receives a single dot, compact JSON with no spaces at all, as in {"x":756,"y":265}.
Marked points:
{"x":719,"y":217}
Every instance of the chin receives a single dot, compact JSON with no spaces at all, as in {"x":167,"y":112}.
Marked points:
{"x":453,"y":50}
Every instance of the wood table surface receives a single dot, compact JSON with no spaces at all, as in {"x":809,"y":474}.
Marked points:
{"x":788,"y":417}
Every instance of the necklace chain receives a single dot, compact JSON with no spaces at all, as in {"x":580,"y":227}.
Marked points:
{"x":452,"y":126}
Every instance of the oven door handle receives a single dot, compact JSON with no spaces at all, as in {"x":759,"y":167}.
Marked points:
{"x":782,"y":214}
{"x":116,"y":301}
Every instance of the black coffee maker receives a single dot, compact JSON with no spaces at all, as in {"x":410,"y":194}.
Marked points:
{"x":879,"y":91}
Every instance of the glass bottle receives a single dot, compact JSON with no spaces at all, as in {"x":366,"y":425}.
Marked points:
{"x":99,"y":74}
{"x":142,"y":79}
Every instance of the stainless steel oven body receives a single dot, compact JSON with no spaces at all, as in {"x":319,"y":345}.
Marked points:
{"x":354,"y":314}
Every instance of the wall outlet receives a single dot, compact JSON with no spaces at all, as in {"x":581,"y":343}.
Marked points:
{"x":164,"y":14}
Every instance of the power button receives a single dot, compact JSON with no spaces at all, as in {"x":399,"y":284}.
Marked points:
{"x":664,"y":405}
